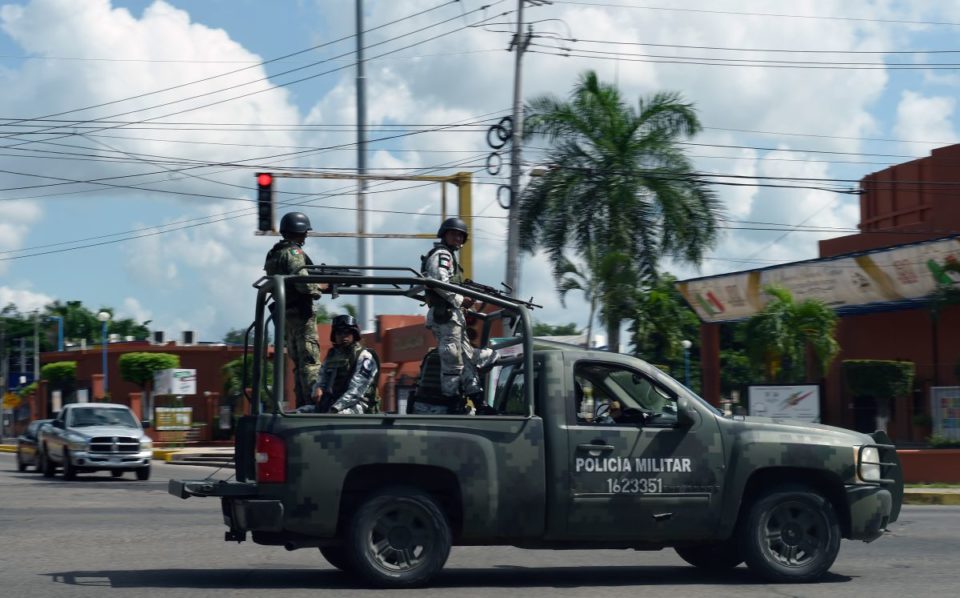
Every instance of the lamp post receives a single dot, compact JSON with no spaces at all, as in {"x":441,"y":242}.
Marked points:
{"x":59,"y":320}
{"x":686,"y":361}
{"x":104,"y":317}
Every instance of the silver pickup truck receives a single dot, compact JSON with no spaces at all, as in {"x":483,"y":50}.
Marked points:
{"x":95,"y":437}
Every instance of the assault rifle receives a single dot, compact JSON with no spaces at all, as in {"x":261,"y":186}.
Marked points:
{"x":338,"y":270}
{"x":488,"y":290}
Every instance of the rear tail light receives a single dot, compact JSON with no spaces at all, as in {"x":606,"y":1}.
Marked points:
{"x":271,"y":459}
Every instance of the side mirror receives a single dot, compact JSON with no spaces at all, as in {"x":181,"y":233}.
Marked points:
{"x":687,"y":416}
{"x":145,"y":424}
{"x":58,"y":423}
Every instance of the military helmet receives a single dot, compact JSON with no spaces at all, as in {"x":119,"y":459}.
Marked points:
{"x":344,"y":322}
{"x":453,"y":224}
{"x":294,"y":223}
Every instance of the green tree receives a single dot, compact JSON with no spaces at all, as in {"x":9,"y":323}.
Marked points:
{"x":231,"y":373}
{"x":544,"y":329}
{"x":881,"y":380}
{"x":781,"y":332}
{"x":570,"y":277}
{"x":139,"y":368}
{"x":235,"y":336}
{"x":661,"y":322}
{"x":60,"y":374}
{"x":619,"y":187}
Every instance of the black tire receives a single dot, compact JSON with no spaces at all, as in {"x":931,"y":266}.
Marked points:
{"x":46,"y":465}
{"x":338,"y":557}
{"x":69,"y":471}
{"x":790,"y":535}
{"x":721,"y":556}
{"x":116,"y":473}
{"x":398,"y":538}
{"x":21,"y":466}
{"x":143,"y":474}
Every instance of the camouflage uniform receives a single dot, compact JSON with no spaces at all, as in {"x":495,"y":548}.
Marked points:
{"x":459,"y":361}
{"x":348,"y":380}
{"x":300,"y":331}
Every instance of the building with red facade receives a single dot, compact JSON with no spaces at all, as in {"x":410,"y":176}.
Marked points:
{"x":879,"y":282}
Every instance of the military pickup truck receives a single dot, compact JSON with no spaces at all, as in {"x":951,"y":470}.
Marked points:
{"x":579,"y":449}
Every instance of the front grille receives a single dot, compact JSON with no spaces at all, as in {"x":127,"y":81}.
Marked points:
{"x":114,"y":444}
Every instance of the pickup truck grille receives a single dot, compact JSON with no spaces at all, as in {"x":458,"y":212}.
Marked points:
{"x":114,"y":444}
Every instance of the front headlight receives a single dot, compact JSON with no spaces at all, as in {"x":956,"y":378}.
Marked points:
{"x":870,"y":464}
{"x":76,"y":443}
{"x":146,"y":444}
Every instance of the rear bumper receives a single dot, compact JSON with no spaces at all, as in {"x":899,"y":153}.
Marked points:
{"x":243,"y":510}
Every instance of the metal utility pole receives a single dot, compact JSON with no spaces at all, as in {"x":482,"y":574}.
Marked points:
{"x":364,"y":243}
{"x":36,"y":346}
{"x":519,"y":45}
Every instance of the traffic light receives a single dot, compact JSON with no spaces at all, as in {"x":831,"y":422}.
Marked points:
{"x":264,"y":202}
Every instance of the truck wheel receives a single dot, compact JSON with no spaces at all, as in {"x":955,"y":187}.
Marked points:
{"x":338,"y":557}
{"x":21,"y":466}
{"x":143,"y":474}
{"x":721,"y":556}
{"x":46,"y":465}
{"x":791,"y":535}
{"x":398,"y":538}
{"x":69,"y":471}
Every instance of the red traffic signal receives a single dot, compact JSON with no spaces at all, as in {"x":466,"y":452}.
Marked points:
{"x":264,"y":201}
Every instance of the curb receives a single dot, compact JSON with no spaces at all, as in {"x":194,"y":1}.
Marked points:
{"x":923,"y":497}
{"x":7,"y":448}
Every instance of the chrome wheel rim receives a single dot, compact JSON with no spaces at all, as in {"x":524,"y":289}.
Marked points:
{"x":400,"y":538}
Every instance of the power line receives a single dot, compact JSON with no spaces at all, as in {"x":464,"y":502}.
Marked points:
{"x":757,"y":14}
{"x":278,"y":85}
{"x":211,"y":78}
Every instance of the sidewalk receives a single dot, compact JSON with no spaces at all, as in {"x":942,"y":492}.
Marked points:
{"x":222,"y":456}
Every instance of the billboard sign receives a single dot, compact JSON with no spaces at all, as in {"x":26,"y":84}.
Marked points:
{"x":898,"y":274}
{"x":175,"y":382}
{"x":799,"y":402}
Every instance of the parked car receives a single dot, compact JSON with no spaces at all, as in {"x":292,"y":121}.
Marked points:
{"x":27,"y":445}
{"x":95,"y":437}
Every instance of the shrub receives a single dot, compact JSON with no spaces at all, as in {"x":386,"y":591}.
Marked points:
{"x":878,"y":378}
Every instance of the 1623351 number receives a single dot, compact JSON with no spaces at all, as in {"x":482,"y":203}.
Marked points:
{"x":634,"y":485}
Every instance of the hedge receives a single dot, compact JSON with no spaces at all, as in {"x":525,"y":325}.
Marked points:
{"x":878,"y":378}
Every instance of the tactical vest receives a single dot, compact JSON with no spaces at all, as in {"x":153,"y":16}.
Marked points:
{"x":344,"y":364}
{"x":455,"y":278}
{"x":273,"y":265}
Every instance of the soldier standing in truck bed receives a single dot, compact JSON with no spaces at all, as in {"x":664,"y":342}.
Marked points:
{"x":459,"y":379}
{"x":300,"y":330}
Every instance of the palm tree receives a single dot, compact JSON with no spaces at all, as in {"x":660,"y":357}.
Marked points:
{"x":780,"y":334}
{"x":619,"y":187}
{"x":569,"y":278}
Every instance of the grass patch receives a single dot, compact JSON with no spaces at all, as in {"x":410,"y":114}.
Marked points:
{"x":933,"y":485}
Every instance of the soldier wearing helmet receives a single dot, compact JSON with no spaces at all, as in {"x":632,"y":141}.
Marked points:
{"x":350,"y":372}
{"x":300,"y":331}
{"x":459,"y":361}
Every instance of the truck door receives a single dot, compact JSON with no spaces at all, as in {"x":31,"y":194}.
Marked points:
{"x":636,"y":470}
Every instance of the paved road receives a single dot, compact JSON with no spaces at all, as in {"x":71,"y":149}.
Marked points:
{"x":101,"y":537}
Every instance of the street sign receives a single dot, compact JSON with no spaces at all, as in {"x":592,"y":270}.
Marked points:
{"x":175,"y":382}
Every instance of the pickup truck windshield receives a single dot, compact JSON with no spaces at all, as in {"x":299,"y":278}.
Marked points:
{"x":102,"y":416}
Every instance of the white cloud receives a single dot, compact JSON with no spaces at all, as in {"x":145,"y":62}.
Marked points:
{"x":199,"y":278}
{"x":923,"y":118}
{"x":25,"y":300}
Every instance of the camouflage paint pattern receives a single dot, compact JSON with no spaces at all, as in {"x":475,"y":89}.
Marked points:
{"x":525,"y":480}
{"x":498,"y":462}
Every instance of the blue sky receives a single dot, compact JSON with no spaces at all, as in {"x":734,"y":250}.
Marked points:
{"x":761,"y":120}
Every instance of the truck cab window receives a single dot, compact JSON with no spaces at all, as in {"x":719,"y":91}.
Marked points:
{"x":510,"y":394}
{"x":606,"y":394}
